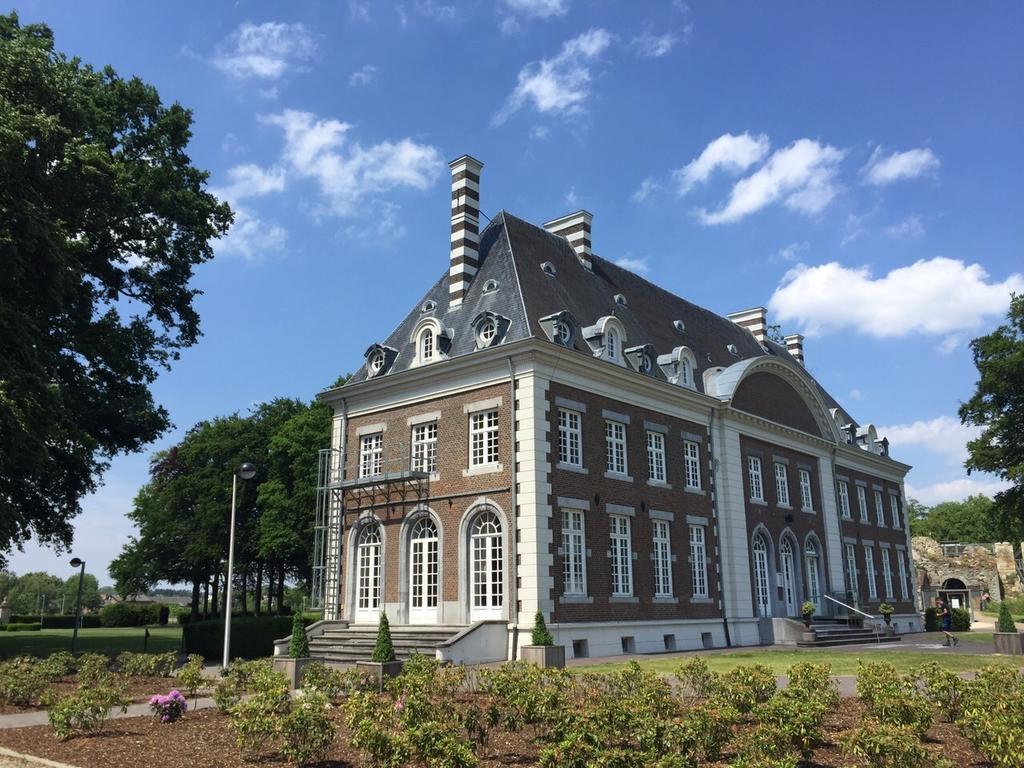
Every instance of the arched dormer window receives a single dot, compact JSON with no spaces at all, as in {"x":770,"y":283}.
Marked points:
{"x":680,"y":367}
{"x":611,"y":344}
{"x":426,"y":345}
{"x":430,"y":341}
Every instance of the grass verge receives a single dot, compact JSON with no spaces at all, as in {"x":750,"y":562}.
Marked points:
{"x":110,"y":641}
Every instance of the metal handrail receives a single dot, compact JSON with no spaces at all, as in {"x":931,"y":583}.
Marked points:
{"x":850,"y":607}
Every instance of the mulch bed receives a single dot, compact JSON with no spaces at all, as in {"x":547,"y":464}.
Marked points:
{"x":204,"y":739}
{"x":139,"y":691}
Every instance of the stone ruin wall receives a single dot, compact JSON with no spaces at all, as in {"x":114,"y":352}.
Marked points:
{"x":977,"y":567}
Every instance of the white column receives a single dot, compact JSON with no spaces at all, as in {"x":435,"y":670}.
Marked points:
{"x":734,"y":541}
{"x":830,"y":519}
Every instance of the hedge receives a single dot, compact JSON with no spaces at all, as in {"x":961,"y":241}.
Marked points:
{"x":931,"y":620}
{"x":89,"y":621}
{"x":34,"y":626}
{"x":961,"y":620}
{"x":129,"y":615}
{"x":252,"y":637}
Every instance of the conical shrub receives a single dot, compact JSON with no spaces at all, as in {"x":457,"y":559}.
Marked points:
{"x":383,"y":651}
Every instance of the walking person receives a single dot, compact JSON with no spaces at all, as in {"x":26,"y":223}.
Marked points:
{"x":947,"y":624}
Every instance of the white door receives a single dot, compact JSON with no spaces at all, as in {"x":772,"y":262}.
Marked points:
{"x":813,"y":583}
{"x":423,"y":572}
{"x":368,"y":552}
{"x":762,"y":586}
{"x":486,"y":568}
{"x":788,"y":576}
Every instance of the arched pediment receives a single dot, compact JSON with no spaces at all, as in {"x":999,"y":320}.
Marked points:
{"x":777,"y":391}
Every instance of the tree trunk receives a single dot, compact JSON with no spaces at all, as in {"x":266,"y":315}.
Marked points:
{"x":280,"y":590}
{"x":206,"y":599}
{"x":258,"y":597}
{"x":216,"y":590}
{"x":194,"y":612}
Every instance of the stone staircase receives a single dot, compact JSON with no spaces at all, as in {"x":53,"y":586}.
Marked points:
{"x":832,"y":633}
{"x":347,"y":644}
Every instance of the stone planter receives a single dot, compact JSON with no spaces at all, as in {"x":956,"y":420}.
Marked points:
{"x":887,"y":617}
{"x":808,"y":637}
{"x":546,"y":656}
{"x":379,"y":671}
{"x":888,"y":630}
{"x":292,"y":669}
{"x":1010,"y":643}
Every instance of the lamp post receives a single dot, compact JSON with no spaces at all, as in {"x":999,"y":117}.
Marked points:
{"x":247,"y":472}
{"x":77,"y":563}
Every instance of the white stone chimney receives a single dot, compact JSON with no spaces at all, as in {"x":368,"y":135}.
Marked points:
{"x":754,"y":320}
{"x":575,"y":227}
{"x":795,"y":347}
{"x":465,"y":244}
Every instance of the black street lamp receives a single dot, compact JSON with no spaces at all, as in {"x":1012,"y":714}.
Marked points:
{"x":78,"y":563}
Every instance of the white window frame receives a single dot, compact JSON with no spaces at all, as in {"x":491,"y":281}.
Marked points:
{"x":621,"y":551}
{"x":685,"y":372}
{"x":901,"y":563}
{"x":612,"y":344}
{"x":484,"y":438}
{"x":887,"y":574}
{"x":662,"y":552}
{"x":574,"y":553}
{"x":616,"y":457}
{"x":426,"y":345}
{"x":699,"y":561}
{"x":371,"y":454}
{"x":851,"y":570}
{"x":691,"y":462}
{"x":894,"y":506}
{"x":862,"y":503}
{"x":756,"y":481}
{"x":570,"y":437}
{"x":806,"y":492}
{"x":869,"y":571}
{"x":844,"y":500}
{"x":879,"y":508}
{"x":424,"y":447}
{"x":656,"y":456}
{"x":782,"y":483}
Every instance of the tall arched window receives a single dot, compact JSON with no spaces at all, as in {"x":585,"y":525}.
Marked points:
{"x":424,"y":569}
{"x":788,"y":575}
{"x":811,"y":565}
{"x":368,"y":560}
{"x":426,"y":345}
{"x":685,"y":372}
{"x":486,"y":566}
{"x":762,"y":592}
{"x":613,"y":344}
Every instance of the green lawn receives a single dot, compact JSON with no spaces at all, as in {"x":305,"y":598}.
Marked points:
{"x":110,"y":641}
{"x":843,"y":662}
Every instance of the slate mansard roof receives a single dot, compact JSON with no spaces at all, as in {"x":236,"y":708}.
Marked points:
{"x":512,"y":252}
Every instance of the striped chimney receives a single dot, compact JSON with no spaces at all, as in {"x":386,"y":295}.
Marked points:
{"x":576,"y":229}
{"x":465,"y":255}
{"x":754,"y":320}
{"x":795,"y":347}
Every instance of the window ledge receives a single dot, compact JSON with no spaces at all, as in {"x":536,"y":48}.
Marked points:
{"x":572,"y":468}
{"x":623,"y":599}
{"x":576,"y":599}
{"x":701,"y":600}
{"x":659,"y":484}
{"x":808,"y":510}
{"x":695,"y":491}
{"x":784,"y":506}
{"x":618,"y":476}
{"x":759,"y":502}
{"x":483,"y":469}
{"x":665,"y":600}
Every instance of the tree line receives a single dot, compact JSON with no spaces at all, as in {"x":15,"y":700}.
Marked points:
{"x":183,"y":512}
{"x":39,"y":593}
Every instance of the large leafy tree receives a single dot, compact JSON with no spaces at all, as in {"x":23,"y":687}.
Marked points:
{"x":103,"y":219}
{"x":970,"y":520}
{"x":998,"y":407}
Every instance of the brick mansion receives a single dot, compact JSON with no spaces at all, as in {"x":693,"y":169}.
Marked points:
{"x":547,"y":431}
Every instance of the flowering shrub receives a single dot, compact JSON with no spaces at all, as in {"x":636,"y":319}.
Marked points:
{"x":191,"y":675}
{"x":169,"y":708}
{"x":147,"y":664}
{"x":86,"y":710}
{"x":335,"y":684}
{"x":307,"y":731}
{"x":22,"y":682}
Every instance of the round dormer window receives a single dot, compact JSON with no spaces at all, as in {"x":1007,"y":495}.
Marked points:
{"x":645,"y":364}
{"x":487,"y":331}
{"x":563,"y":333}
{"x":376,"y":362}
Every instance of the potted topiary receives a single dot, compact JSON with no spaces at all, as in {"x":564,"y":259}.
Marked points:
{"x":887,"y":610}
{"x":807,"y":611}
{"x":382,"y":663}
{"x":542,"y":650}
{"x":298,"y":654}
{"x":1006,"y":637}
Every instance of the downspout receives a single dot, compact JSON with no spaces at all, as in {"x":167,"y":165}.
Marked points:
{"x":513,"y":549}
{"x":340,"y":545}
{"x":718,"y":538}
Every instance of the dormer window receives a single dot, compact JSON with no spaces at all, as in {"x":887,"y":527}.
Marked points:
{"x":620,"y":299}
{"x":549,"y":268}
{"x":560,"y":328}
{"x":679,"y":325}
{"x":680,"y":367}
{"x":490,"y":286}
{"x":489,"y":329}
{"x":732,"y":350}
{"x":641,"y":358}
{"x":685,"y":373}
{"x":428,"y":306}
{"x":426,"y":345}
{"x":645,"y":364}
{"x":430,"y":341}
{"x":378,"y":360}
{"x":611,"y":344}
{"x":563,"y":332}
{"x":607,"y":339}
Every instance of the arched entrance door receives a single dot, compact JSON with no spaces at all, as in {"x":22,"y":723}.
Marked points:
{"x":487,"y":568}
{"x":788,"y":565}
{"x":368,"y":575}
{"x":762,"y":582}
{"x":424,"y":570}
{"x":812,"y":562}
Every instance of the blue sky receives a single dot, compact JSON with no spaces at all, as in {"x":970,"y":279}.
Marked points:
{"x":853,"y":167}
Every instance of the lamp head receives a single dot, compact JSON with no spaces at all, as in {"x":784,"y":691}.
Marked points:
{"x":247,"y":471}
{"x":76,"y":562}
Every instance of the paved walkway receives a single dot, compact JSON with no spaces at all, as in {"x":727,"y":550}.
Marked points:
{"x":39,"y":717}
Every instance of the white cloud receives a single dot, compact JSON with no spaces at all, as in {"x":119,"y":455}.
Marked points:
{"x":943,"y":435}
{"x":909,"y":227}
{"x":509,"y":25}
{"x":935,"y":296}
{"x":250,"y":180}
{"x":251,"y":238}
{"x":792,"y":251}
{"x":316,"y":148}
{"x":729,"y":152}
{"x":647,"y":187}
{"x":560,"y":85}
{"x":269,"y":50}
{"x":950,"y":344}
{"x":359,"y":10}
{"x":571,"y":197}
{"x":802,"y":176}
{"x":539,"y":9}
{"x":885,"y":169}
{"x":634,"y":265}
{"x":653,"y":46}
{"x":539,"y":132}
{"x":363,"y":76}
{"x":955,"y":490}
{"x":856,"y":394}
{"x":436,"y":11}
